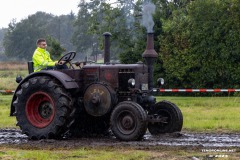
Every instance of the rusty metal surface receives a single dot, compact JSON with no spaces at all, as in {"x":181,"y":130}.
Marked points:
{"x":77,"y":76}
{"x":91,"y":74}
{"x":107,"y":36}
{"x":150,"y":56}
{"x":66,"y":80}
{"x":98,"y":99}
{"x":150,"y":52}
{"x":110,"y":74}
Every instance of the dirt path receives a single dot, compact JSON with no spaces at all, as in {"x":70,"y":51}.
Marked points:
{"x":14,"y":136}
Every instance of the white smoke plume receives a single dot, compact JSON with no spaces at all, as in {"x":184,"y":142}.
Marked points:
{"x":147,"y":19}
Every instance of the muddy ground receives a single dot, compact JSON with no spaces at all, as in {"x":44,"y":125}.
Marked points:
{"x":207,"y":140}
{"x":193,"y":146}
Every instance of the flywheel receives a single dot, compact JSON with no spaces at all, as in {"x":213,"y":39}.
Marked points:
{"x":99,"y":99}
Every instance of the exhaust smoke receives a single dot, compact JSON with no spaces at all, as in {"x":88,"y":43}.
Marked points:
{"x":147,"y":19}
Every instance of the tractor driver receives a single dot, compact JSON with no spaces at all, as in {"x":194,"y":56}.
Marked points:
{"x":41,"y":58}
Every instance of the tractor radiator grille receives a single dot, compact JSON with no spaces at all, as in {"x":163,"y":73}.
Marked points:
{"x":123,"y":76}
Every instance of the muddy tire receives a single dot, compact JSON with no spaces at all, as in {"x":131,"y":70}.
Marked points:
{"x":43,"y":108}
{"x":171,"y":115}
{"x":128,"y":121}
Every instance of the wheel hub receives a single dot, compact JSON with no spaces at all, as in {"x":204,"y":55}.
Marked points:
{"x":40,"y":109}
{"x":96,"y":99}
{"x":45,"y":110}
{"x":127,"y":122}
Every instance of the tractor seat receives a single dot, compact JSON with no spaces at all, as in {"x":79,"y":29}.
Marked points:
{"x":30,"y":67}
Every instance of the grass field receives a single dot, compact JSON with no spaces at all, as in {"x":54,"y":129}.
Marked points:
{"x":78,"y":153}
{"x":8,"y":73}
{"x":6,"y":121}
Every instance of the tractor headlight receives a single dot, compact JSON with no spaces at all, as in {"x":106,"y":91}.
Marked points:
{"x":131,"y":83}
{"x":160,"y":82}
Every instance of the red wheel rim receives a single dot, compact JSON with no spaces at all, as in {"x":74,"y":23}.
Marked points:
{"x":40,"y":109}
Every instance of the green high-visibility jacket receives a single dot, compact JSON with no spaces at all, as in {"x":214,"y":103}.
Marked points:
{"x":41,"y":59}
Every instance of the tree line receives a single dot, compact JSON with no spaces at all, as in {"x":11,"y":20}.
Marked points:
{"x":197,"y":40}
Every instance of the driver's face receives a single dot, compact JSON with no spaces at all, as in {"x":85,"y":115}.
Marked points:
{"x":43,"y":45}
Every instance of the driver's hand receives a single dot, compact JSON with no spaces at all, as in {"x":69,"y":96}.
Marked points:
{"x":61,"y":62}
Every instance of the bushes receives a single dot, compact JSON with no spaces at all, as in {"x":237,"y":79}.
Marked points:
{"x":200,"y":45}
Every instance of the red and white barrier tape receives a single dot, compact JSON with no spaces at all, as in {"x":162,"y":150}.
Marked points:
{"x":6,"y":91}
{"x":169,"y":90}
{"x":196,"y":90}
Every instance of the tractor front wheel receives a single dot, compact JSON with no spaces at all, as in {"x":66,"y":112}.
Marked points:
{"x":128,"y":121}
{"x":169,"y":116}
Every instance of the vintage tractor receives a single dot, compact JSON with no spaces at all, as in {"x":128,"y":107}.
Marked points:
{"x":94,"y":98}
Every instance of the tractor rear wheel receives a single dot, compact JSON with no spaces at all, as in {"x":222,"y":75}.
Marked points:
{"x":170,"y":116}
{"x":128,"y":121}
{"x":44,"y":108}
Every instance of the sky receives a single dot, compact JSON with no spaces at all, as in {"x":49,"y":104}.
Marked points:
{"x":21,"y":9}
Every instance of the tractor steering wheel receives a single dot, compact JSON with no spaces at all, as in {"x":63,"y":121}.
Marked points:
{"x":67,"y":57}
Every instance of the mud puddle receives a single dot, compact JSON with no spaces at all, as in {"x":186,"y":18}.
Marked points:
{"x":195,"y":139}
{"x":14,"y":136}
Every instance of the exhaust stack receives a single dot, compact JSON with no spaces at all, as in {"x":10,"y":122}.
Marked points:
{"x":150,"y":55}
{"x":107,"y":36}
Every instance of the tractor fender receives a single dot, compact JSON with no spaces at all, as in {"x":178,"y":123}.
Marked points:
{"x":63,"y":78}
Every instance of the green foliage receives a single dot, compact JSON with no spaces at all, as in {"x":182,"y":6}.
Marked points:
{"x":54,"y":48}
{"x":200,"y":45}
{"x":3,"y":57}
{"x":96,"y":17}
{"x":136,"y":41}
{"x":81,"y":37}
{"x":61,"y":28}
{"x":20,"y":38}
{"x":2,"y":32}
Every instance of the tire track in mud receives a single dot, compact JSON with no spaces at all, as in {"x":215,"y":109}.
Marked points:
{"x":14,"y":136}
